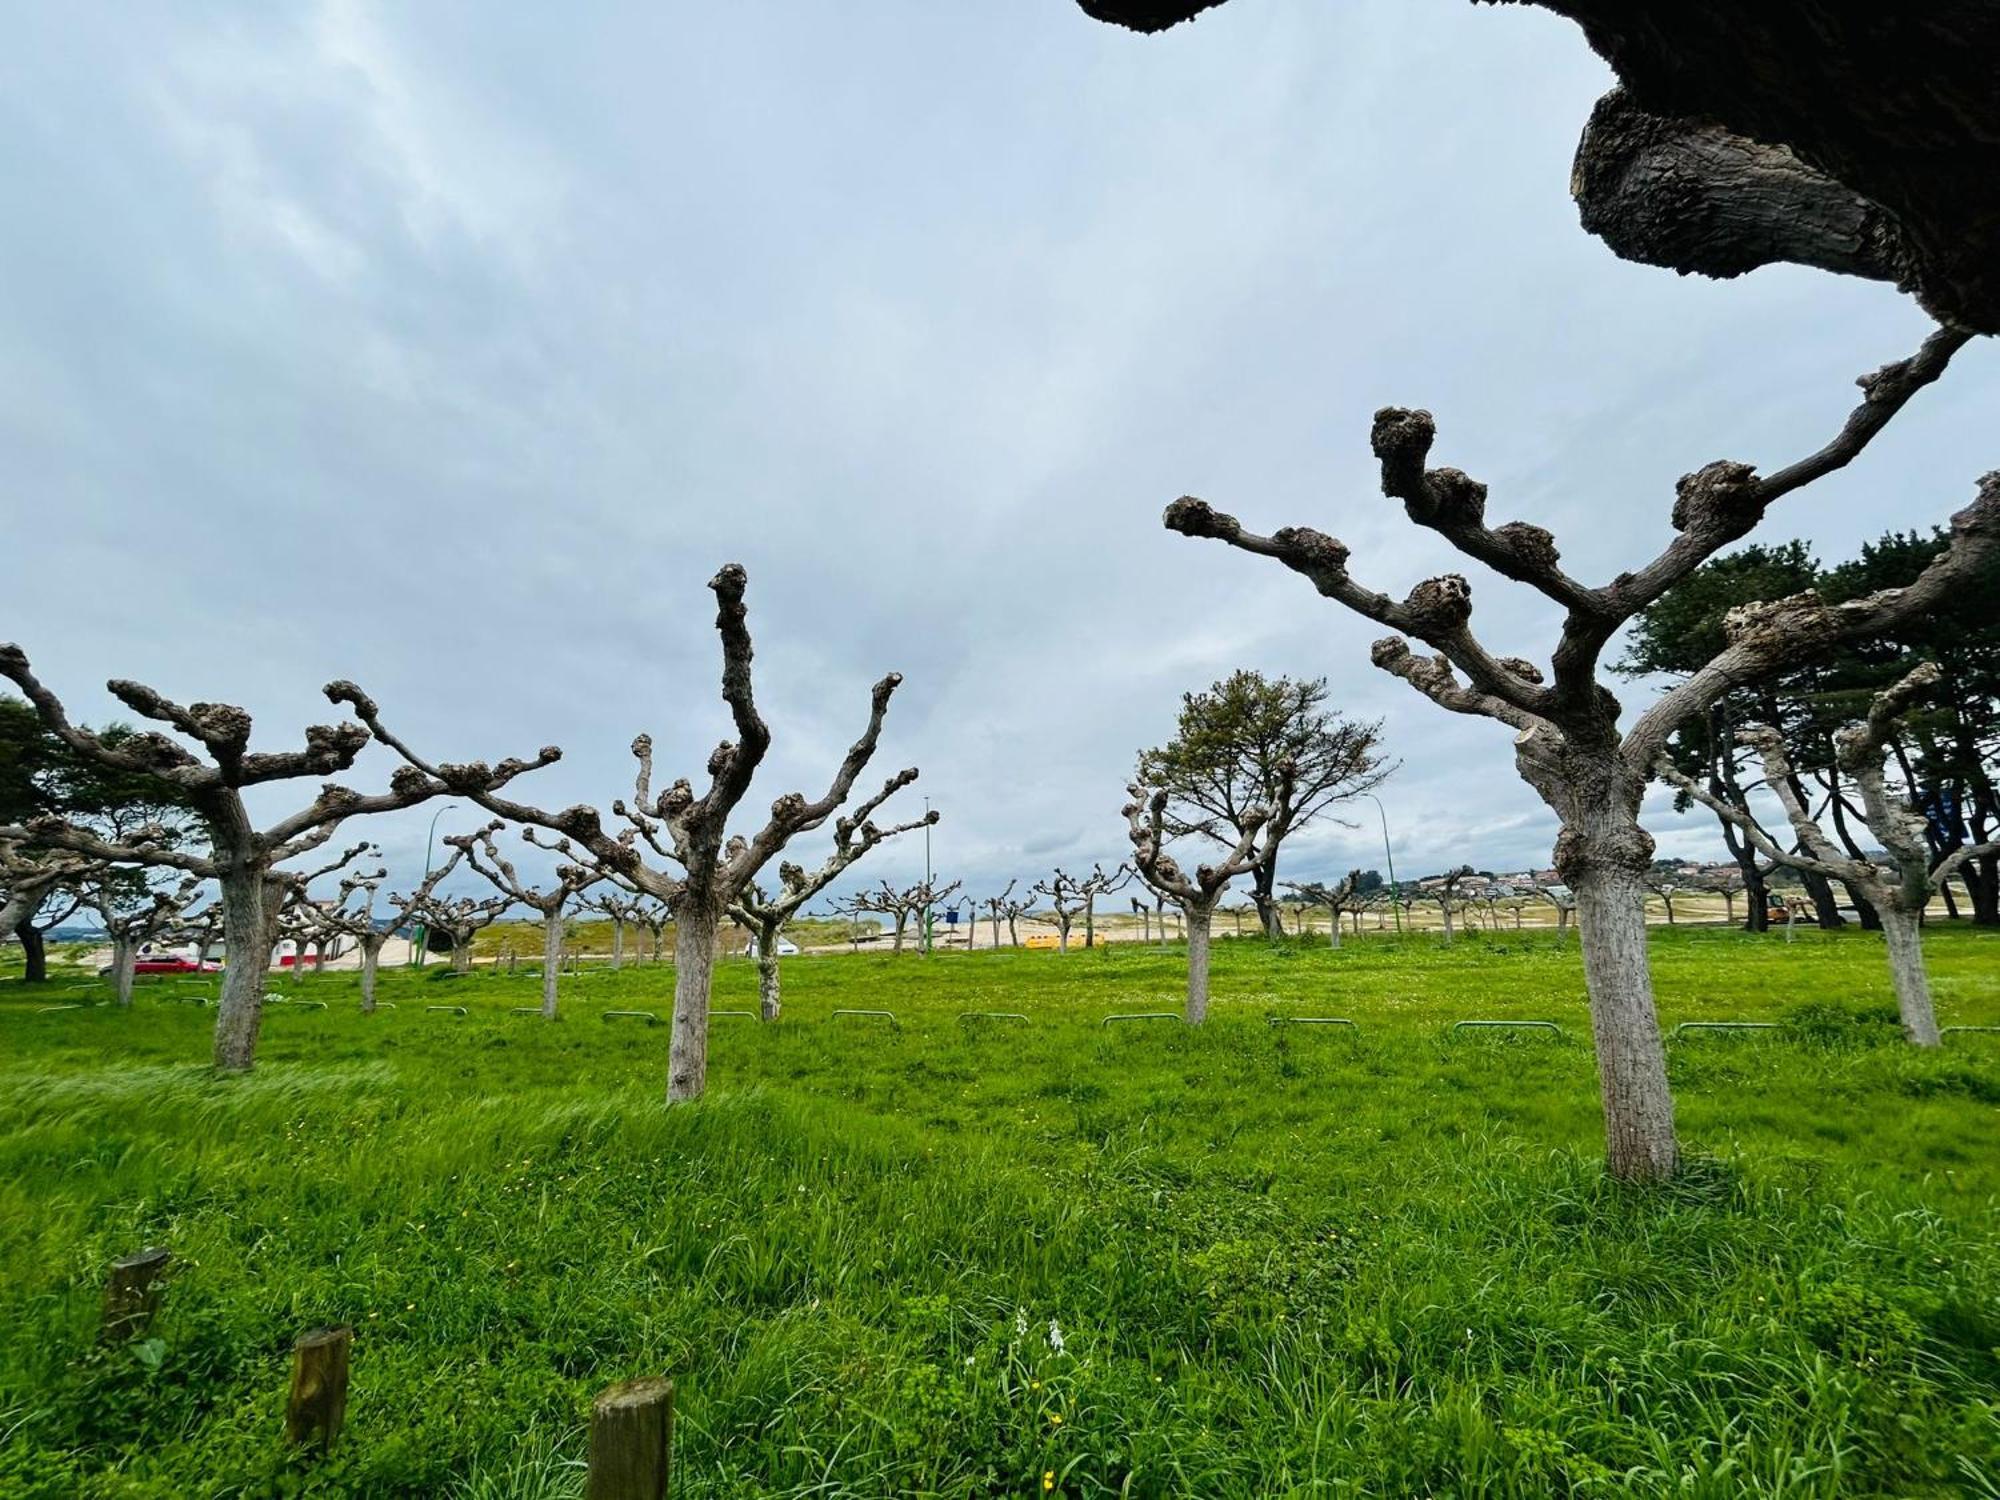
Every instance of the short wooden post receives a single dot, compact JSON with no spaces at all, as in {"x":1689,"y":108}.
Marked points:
{"x":631,"y":1441}
{"x":318,"y":1403}
{"x":132,"y":1294}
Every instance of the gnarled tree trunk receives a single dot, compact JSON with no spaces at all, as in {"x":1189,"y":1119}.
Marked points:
{"x":697,"y":926}
{"x":249,"y":920}
{"x":371,"y":959}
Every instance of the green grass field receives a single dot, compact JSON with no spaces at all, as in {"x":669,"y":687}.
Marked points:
{"x":1278,"y":1260}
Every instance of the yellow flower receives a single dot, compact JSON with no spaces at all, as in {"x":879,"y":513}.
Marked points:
{"x":1049,"y":1479}
{"x":1055,"y":1417}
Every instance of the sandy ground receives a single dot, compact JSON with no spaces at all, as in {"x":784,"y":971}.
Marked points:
{"x":1122,"y":927}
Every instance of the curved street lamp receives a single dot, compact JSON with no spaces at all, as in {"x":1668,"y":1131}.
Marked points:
{"x":1395,"y":901}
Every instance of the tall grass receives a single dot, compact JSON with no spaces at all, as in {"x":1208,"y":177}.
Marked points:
{"x":1276,"y":1260}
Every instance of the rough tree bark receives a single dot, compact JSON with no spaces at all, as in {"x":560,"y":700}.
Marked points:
{"x":1568,"y":743}
{"x":687,"y":831}
{"x":1852,"y":135}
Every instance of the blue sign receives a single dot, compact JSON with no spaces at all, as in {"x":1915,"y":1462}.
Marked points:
{"x":951,"y":916}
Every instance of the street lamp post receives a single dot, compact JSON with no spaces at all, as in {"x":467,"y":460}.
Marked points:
{"x":1395,"y":903}
{"x":420,"y":943}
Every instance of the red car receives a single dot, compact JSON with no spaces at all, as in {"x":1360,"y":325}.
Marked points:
{"x":171,"y":963}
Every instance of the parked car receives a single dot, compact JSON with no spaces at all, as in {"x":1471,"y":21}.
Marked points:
{"x":786,"y":948}
{"x":163,"y":963}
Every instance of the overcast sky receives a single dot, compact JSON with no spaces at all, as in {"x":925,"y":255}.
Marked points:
{"x":453,"y":347}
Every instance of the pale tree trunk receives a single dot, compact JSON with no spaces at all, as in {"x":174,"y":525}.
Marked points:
{"x":1198,"y":918}
{"x":902,"y":920}
{"x":1445,"y":907}
{"x":461,"y":956}
{"x":1090,"y":922}
{"x":552,"y":936}
{"x":371,"y":957}
{"x":1013,"y":934}
{"x":694,"y":973}
{"x":767,"y":985}
{"x":124,"y":954}
{"x":617,"y":944}
{"x":1631,"y":1059}
{"x":247,"y":942}
{"x":1062,"y":934}
{"x":1904,"y":932}
{"x":1729,"y":907}
{"x":1333,"y":929}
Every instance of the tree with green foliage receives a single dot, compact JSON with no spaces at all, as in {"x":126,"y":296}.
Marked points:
{"x":1947,"y":752}
{"x":43,"y":777}
{"x":1223,"y":762}
{"x":244,"y":859}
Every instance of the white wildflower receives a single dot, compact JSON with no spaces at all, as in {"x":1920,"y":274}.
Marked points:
{"x":1020,"y":1322}
{"x":1055,"y":1336}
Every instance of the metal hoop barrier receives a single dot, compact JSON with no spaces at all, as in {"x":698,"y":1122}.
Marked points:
{"x":456,"y":1010}
{"x":1143,"y":1015}
{"x":1510,"y":1025}
{"x":1946,"y":1031}
{"x":632,"y":1015}
{"x":992,"y":1015}
{"x":1687,"y":1026}
{"x":747,"y":1015}
{"x":1311,"y":1021}
{"x":884,"y":1015}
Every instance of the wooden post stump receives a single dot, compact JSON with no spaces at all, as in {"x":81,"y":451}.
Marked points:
{"x":132,"y":1294}
{"x":631,"y":1441}
{"x":318,"y":1402}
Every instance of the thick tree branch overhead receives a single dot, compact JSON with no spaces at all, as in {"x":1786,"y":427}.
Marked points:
{"x":1860,"y":136}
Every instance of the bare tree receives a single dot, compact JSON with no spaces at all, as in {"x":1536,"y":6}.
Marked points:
{"x":1568,"y":744}
{"x":1666,"y":885}
{"x":1339,"y":897}
{"x":1070,"y":896}
{"x":997,"y":910}
{"x":710,"y":870}
{"x":1196,"y":896}
{"x":1443,"y":889}
{"x":550,"y":900}
{"x":1011,"y":908}
{"x":853,"y":837}
{"x":353,"y":914}
{"x":243,"y":859}
{"x":131,"y":909}
{"x":902,"y":903}
{"x":1900,"y":892}
{"x":623,"y":909}
{"x":461,"y":919}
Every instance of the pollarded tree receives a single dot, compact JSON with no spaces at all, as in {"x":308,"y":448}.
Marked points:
{"x":710,"y":869}
{"x":1666,"y":885}
{"x":1196,"y":895}
{"x":243,"y":859}
{"x":460,"y":919}
{"x":1004,"y":907}
{"x":1223,"y":761}
{"x":853,"y":837}
{"x":1444,"y":890}
{"x":1568,"y":743}
{"x":353,"y":915}
{"x":622,"y":909}
{"x":902,"y":904}
{"x":132,"y":908}
{"x":1338,"y":897}
{"x":1070,"y":896}
{"x":1898,"y":893}
{"x":550,"y":900}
